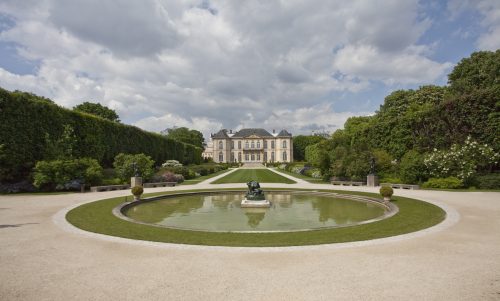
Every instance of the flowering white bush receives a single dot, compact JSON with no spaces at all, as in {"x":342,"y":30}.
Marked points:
{"x":171,"y":163}
{"x":282,"y":166}
{"x":316,"y":174}
{"x":461,"y":161}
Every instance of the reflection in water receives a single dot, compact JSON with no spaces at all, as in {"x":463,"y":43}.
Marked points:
{"x":222,"y":212}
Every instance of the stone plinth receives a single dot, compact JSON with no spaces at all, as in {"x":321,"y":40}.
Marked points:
{"x":372,"y":180}
{"x":255,"y":204}
{"x":135,"y":181}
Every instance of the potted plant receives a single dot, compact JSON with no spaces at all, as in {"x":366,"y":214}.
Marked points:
{"x":386,"y":192}
{"x":137,"y":192}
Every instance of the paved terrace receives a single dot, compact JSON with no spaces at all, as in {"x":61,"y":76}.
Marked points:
{"x":41,"y":258}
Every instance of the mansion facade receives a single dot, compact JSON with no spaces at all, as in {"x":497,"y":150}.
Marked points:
{"x":250,"y":145}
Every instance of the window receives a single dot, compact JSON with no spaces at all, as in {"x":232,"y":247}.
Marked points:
{"x":272,"y":144}
{"x":221,"y":157}
{"x":253,"y":157}
{"x":232,"y":157}
{"x":284,"y":143}
{"x":265,"y":156}
{"x":221,"y":145}
{"x":239,"y":156}
{"x":258,"y":144}
{"x":232,"y":144}
{"x":284,"y":156}
{"x":253,"y":144}
{"x":272,"y":156}
{"x":246,"y":144}
{"x":258,"y":157}
{"x":265,"y":144}
{"x":246,"y":157}
{"x":239,"y":144}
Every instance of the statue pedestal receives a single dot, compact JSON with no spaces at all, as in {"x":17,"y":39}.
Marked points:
{"x":372,"y":180}
{"x":135,"y":181}
{"x":255,"y":203}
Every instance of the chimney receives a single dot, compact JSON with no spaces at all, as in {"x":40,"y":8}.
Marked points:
{"x":230,"y":131}
{"x":274,"y":131}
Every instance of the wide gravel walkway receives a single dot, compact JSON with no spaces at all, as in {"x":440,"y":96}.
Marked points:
{"x":40,"y":260}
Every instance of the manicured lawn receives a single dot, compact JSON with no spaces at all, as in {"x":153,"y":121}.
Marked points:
{"x":413,"y":215}
{"x":303,"y":177}
{"x":203,"y":178}
{"x":259,"y":175}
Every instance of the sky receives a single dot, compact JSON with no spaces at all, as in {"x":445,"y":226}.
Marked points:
{"x":298,"y":65}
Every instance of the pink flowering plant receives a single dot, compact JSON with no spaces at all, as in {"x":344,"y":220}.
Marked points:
{"x":461,"y":161}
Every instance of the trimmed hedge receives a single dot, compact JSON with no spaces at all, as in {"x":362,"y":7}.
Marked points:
{"x":28,"y":120}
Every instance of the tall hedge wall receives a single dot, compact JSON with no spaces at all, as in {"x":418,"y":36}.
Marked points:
{"x":26,"y":119}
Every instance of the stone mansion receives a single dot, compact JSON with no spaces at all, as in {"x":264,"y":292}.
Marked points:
{"x":250,"y":145}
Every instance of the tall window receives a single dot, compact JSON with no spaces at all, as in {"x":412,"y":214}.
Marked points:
{"x":232,"y":144}
{"x":272,"y":156}
{"x":239,"y":144}
{"x":272,"y":144}
{"x":253,"y":144}
{"x":253,"y":157}
{"x":258,"y":144}
{"x":258,"y":156}
{"x":220,"y":145}
{"x":284,"y":156}
{"x":284,"y":143}
{"x":232,"y":157}
{"x":265,"y":156}
{"x":246,"y":144}
{"x":265,"y":144}
{"x":239,"y":157}
{"x":221,"y":157}
{"x":246,"y":157}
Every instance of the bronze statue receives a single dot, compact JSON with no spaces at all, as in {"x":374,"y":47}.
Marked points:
{"x":254,"y":192}
{"x":372,"y":166}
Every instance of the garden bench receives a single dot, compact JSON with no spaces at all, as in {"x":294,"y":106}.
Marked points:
{"x":108,"y":188}
{"x":348,"y":183}
{"x":401,"y":186}
{"x":159,"y":184}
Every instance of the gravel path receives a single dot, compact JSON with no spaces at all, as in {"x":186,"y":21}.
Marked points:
{"x":42,"y":261}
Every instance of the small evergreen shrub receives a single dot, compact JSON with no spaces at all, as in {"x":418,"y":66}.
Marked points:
{"x":443,"y":183}
{"x":488,"y":181}
{"x":64,"y":174}
{"x":386,"y":191}
{"x":137,"y":190}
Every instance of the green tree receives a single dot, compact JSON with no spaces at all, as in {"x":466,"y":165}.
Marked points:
{"x":186,"y":135}
{"x":412,"y":169}
{"x":62,"y":148}
{"x":97,"y":109}
{"x":124,"y":166}
{"x":301,"y":142}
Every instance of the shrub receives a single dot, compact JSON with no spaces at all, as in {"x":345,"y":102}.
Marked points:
{"x":391,"y":180}
{"x":59,"y":174}
{"x":171,"y":163}
{"x":386,"y":191}
{"x":179,"y":178}
{"x":412,"y":168}
{"x":443,"y":183}
{"x":137,"y":190}
{"x":125,"y":170}
{"x":488,"y":181}
{"x":169,"y":177}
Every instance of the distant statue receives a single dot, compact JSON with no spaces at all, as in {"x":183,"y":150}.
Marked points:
{"x":254,"y":192}
{"x":136,"y":169}
{"x":372,"y":166}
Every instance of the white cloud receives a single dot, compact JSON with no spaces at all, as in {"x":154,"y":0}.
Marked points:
{"x":225,"y":63}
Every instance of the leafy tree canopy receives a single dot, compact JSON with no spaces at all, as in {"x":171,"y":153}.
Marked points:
{"x":301,"y":142}
{"x":185,"y":135}
{"x":98,"y":110}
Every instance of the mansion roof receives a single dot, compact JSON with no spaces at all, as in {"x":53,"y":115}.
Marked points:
{"x":244,"y":133}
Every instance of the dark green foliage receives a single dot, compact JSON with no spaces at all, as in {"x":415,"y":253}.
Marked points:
{"x":97,"y":109}
{"x":54,"y":175}
{"x":186,"y":135}
{"x":412,"y":168}
{"x":301,"y":142}
{"x":31,"y":125}
{"x":443,"y":183}
{"x":488,"y":181}
{"x":386,"y":191}
{"x":124,"y":166}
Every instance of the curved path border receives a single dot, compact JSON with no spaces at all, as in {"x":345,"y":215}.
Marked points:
{"x":452,"y":217}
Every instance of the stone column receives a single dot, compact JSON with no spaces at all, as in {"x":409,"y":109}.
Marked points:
{"x":135,"y":181}
{"x":372,"y":180}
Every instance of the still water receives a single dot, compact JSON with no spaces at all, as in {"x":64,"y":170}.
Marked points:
{"x":290,"y":211}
